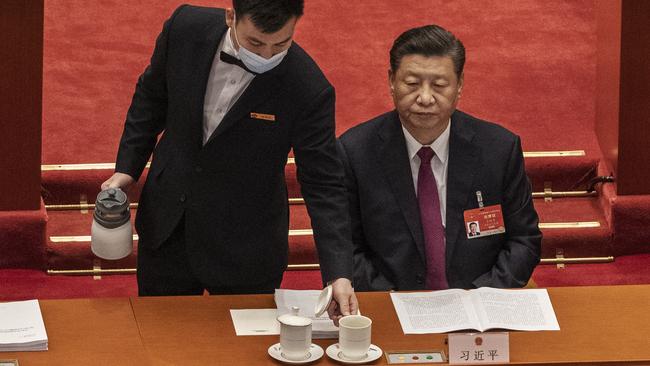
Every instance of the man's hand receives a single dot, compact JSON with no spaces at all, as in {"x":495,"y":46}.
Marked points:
{"x":118,"y":180}
{"x":345,"y":301}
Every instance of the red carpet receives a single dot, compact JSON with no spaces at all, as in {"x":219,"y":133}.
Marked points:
{"x":583,"y":242}
{"x":22,"y":239}
{"x":21,"y":284}
{"x":530,"y":65}
{"x":625,"y":270}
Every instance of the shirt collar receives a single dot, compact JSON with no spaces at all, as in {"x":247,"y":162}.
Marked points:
{"x":228,"y":46}
{"x":440,"y":146}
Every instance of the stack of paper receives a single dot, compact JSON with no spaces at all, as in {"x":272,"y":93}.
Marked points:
{"x":305,"y":300}
{"x":22,"y":327}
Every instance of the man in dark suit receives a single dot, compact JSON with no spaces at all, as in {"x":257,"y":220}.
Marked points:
{"x":416,"y":174}
{"x":233,"y":95}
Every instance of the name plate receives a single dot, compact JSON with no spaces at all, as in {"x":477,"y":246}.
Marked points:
{"x":479,"y":348}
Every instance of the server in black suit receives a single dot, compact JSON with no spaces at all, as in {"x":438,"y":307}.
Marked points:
{"x":232,"y":95}
{"x":418,"y":175}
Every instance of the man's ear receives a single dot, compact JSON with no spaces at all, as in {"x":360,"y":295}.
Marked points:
{"x":391,"y":81}
{"x":230,"y":17}
{"x":460,"y":82}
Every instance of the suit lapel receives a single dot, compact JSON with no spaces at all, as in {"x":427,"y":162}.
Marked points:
{"x":257,"y":91}
{"x":207,"y":48}
{"x":393,"y":155}
{"x":464,"y":162}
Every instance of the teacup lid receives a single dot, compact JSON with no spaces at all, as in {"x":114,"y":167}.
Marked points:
{"x":324,"y":300}
{"x":293,"y":319}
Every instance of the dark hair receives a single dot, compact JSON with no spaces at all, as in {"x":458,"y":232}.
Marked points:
{"x":269,"y":16}
{"x":429,"y":40}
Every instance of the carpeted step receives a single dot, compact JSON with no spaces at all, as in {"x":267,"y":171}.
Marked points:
{"x":72,"y":184}
{"x":82,"y":185}
{"x":629,"y":217}
{"x":22,"y":238}
{"x":65,"y":187}
{"x":624,"y":270}
{"x":302,"y":280}
{"x":572,"y":227}
{"x":577,"y":229}
{"x":571,"y":173}
{"x":25,"y":284}
{"x":67,"y":249}
{"x":575,"y":226}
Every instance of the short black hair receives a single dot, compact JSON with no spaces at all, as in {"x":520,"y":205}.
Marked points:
{"x":473,"y":223}
{"x":429,"y":40}
{"x":269,"y":16}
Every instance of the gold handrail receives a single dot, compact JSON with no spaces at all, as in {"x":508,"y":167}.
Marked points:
{"x":310,"y":232}
{"x":103,"y":271}
{"x":301,"y":201}
{"x":88,"y":166}
{"x":564,"y":194}
{"x":91,"y":272}
{"x":91,"y":206}
{"x":579,"y":260}
{"x":569,"y":225}
{"x":79,"y":206}
{"x":111,"y":166}
{"x":553,"y":154}
{"x":311,"y":266}
{"x":86,"y":238}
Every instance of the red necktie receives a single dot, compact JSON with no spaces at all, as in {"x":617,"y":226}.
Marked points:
{"x":434,"y":233}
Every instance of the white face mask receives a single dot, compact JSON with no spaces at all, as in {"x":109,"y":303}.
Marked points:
{"x":255,"y":62}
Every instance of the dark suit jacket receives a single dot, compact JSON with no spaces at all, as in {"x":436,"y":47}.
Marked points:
{"x":388,"y":238}
{"x":232,"y":191}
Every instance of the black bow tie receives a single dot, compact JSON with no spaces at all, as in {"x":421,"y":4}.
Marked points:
{"x":230,"y":59}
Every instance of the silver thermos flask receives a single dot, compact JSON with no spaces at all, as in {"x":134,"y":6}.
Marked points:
{"x":111,"y":233}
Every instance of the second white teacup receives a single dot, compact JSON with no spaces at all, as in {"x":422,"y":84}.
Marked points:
{"x":354,"y":336}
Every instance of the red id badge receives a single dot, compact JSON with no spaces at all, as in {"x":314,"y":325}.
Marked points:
{"x":484,"y":221}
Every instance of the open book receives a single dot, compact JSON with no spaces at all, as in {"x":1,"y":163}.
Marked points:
{"x":22,"y":327}
{"x":480,"y":309}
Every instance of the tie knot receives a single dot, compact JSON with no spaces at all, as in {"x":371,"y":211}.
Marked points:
{"x":425,"y":154}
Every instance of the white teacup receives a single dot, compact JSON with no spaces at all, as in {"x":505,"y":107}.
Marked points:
{"x":354,"y":336}
{"x":295,"y":336}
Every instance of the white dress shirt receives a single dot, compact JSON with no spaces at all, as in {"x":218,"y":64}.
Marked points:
{"x":439,"y":164}
{"x":226,"y":84}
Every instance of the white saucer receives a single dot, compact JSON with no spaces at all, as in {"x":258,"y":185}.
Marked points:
{"x":334,"y":352}
{"x":315,"y":352}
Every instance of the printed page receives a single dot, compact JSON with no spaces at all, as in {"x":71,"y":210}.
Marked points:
{"x":21,"y":326}
{"x":525,"y":309}
{"x":305,"y":300}
{"x":435,"y":312}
